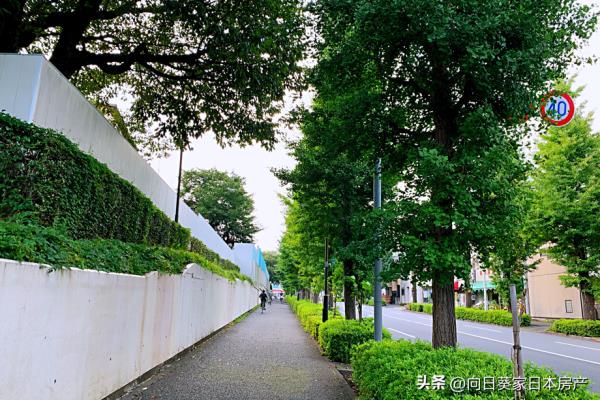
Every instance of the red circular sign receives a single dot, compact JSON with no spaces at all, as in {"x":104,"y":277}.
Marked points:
{"x":558,"y":108}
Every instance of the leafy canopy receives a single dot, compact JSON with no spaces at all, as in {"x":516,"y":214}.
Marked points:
{"x":221,"y":199}
{"x":189,"y":66}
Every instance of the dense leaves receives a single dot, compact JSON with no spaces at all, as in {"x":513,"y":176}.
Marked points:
{"x":189,"y":66}
{"x":50,"y":246}
{"x":388,"y":370}
{"x":497,"y":317}
{"x":445,"y":84}
{"x":221,"y":199}
{"x":576,"y":327}
{"x":45,"y":176}
{"x":566,"y":203}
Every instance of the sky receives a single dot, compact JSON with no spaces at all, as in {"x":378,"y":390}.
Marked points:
{"x":254,"y":164}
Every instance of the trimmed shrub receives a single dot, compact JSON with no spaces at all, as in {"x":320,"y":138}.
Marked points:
{"x":198,"y":247}
{"x":389,"y":370}
{"x":337,"y":337}
{"x":309,"y":314}
{"x":577,"y":327}
{"x":45,"y":176}
{"x":371,"y":302}
{"x":497,"y":317}
{"x":50,"y":246}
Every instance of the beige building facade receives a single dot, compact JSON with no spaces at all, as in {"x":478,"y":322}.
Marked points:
{"x":548,"y":298}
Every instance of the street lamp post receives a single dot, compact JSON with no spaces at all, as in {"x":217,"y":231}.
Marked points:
{"x":325,"y":295}
{"x":377,"y":267}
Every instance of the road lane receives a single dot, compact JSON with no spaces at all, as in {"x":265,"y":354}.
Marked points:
{"x":562,"y":354}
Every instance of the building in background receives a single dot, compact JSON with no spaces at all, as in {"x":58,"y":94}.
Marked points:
{"x":548,"y":298}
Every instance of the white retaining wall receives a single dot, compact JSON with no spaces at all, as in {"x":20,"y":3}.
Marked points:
{"x":82,"y":334}
{"x":33,"y":90}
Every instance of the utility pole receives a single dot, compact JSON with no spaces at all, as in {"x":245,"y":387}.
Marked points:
{"x":325,"y":295}
{"x":179,"y":183}
{"x":485,"y":299}
{"x":377,"y":266}
{"x":517,"y":358}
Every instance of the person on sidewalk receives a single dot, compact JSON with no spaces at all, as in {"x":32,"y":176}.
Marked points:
{"x":263,"y":300}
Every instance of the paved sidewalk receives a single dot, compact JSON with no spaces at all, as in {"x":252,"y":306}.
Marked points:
{"x":264,"y":357}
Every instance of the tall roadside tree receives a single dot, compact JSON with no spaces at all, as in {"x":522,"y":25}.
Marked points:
{"x":221,"y":199}
{"x":566,"y":205}
{"x":332,"y":182}
{"x":453,"y":77}
{"x":190,"y":66}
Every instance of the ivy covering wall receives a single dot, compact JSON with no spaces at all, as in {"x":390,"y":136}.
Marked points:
{"x":46,"y":180}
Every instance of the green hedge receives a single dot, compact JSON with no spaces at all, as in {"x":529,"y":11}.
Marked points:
{"x":196,"y":246}
{"x":389,"y":370}
{"x":371,"y":302}
{"x":497,"y":317}
{"x":337,"y":337}
{"x":46,"y":176}
{"x":577,"y":327}
{"x":30,"y":242}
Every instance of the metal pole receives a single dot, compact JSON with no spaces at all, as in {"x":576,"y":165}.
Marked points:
{"x":325,"y":296}
{"x":517,"y":358}
{"x":377,"y":267}
{"x":179,"y":183}
{"x":485,"y":299}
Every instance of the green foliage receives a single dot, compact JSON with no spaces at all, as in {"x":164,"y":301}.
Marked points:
{"x":337,"y":337}
{"x":198,"y":247}
{"x":44,"y":175}
{"x":32,"y":243}
{"x":189,"y":67}
{"x":388,"y":370}
{"x":497,"y":317}
{"x":576,"y":327}
{"x":221,"y":199}
{"x":566,"y":203}
{"x":271,"y":261}
{"x":300,"y":261}
{"x":371,"y":302}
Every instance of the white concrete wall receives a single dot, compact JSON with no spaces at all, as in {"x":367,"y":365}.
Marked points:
{"x":32,"y":90}
{"x":82,"y":334}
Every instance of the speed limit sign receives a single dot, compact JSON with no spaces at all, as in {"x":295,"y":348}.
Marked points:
{"x":558,"y":108}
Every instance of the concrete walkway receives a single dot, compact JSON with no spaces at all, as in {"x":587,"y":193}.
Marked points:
{"x":264,"y":357}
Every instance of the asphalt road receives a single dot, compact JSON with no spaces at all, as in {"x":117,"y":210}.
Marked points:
{"x":562,"y":354}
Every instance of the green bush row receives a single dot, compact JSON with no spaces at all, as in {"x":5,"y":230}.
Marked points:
{"x":389,"y":370}
{"x":30,"y":242}
{"x":46,"y":178}
{"x":371,"y":302}
{"x":45,"y":175}
{"x":497,"y":317}
{"x":577,"y":327}
{"x":196,"y":246}
{"x":337,"y":336}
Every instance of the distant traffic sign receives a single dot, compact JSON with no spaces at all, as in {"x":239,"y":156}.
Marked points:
{"x":558,"y":108}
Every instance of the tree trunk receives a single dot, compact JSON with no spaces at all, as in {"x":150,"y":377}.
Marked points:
{"x":414,"y":291}
{"x":468,"y":298}
{"x":588,"y":308}
{"x":444,"y":320}
{"x":349,"y":307}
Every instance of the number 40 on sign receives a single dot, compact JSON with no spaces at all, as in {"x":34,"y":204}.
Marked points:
{"x":558,"y":108}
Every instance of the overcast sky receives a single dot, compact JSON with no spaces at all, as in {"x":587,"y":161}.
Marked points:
{"x":254,"y":163}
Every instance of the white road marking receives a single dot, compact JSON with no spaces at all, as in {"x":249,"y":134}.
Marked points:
{"x":576,"y":345}
{"x":532,"y":348}
{"x":483,"y":329}
{"x":402,"y":333}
